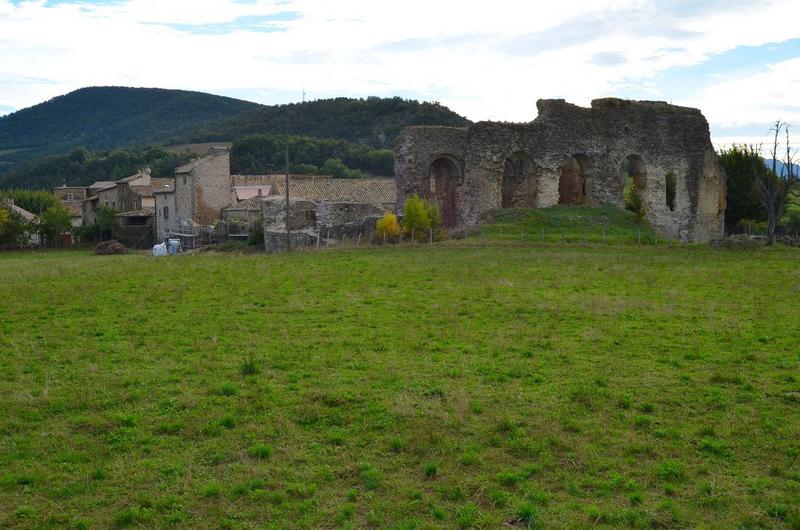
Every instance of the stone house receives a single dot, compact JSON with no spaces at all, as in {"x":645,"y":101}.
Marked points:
{"x":135,"y":229}
{"x":92,"y":202}
{"x":137,"y":192}
{"x":72,"y":198}
{"x":203,"y":187}
{"x":572,"y":155}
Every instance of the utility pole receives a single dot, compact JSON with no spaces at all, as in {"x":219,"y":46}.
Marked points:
{"x":286,"y":186}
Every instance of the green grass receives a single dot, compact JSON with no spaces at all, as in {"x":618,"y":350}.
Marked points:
{"x":562,"y":224}
{"x":463,"y":385}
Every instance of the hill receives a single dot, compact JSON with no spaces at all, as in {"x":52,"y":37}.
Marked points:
{"x":372,"y":121}
{"x":782,"y":167}
{"x":109,"y":117}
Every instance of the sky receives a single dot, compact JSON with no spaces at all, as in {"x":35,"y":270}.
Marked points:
{"x":736,"y":60}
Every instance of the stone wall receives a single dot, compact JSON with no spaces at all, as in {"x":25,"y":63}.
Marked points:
{"x":213,"y":187}
{"x":204,"y":187}
{"x":571,"y":155}
{"x":311,"y":222}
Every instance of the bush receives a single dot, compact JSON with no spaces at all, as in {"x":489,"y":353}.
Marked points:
{"x":634,"y":202}
{"x":107,"y":248}
{"x":792,"y":222}
{"x":749,"y":226}
{"x":255,"y":237}
{"x":387,"y":228}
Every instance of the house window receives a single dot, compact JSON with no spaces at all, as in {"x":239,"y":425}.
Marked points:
{"x":184,"y":181}
{"x":166,"y":212}
{"x":70,"y":197}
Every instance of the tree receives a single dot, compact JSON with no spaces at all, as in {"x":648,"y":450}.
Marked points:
{"x":744,"y":166}
{"x":773,"y":187}
{"x":53,"y":222}
{"x":387,"y":228}
{"x":105,"y":219}
{"x":419,"y":216}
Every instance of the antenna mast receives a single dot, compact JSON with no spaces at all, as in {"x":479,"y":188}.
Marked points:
{"x":286,"y":186}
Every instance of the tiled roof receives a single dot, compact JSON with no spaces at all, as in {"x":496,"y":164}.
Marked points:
{"x":102,"y":184}
{"x":381,"y":192}
{"x":133,"y":177}
{"x":157,"y":185}
{"x":253,"y":204}
{"x":25,"y":214}
{"x":186,"y":168}
{"x":247,"y":192}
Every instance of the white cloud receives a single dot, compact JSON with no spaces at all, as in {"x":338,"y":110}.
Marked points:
{"x":488,"y":60}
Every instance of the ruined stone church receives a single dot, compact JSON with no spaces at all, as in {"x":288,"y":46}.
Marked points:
{"x":572,"y":155}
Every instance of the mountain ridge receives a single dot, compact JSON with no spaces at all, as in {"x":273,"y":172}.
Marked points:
{"x":109,"y":118}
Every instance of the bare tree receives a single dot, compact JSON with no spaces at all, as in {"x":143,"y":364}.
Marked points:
{"x":774,"y":188}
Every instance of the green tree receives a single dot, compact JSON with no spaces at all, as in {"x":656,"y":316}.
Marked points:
{"x":36,"y":202}
{"x":334,"y":167}
{"x":105,"y":219}
{"x":53,"y":222}
{"x":744,"y":167}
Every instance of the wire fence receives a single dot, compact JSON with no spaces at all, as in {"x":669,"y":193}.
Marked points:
{"x":542,"y":236}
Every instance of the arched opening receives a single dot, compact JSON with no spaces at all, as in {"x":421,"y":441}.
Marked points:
{"x":572,"y":182}
{"x":518,"y":188}
{"x":634,"y":182}
{"x":444,"y":176}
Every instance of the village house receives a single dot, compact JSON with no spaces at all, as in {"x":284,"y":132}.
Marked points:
{"x":206,"y":193}
{"x":72,"y":198}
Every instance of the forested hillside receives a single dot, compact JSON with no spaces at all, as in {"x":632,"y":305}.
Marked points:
{"x":109,"y":117}
{"x":373,"y":121}
{"x":256,"y":154}
{"x":82,"y":168}
{"x":113,"y":127}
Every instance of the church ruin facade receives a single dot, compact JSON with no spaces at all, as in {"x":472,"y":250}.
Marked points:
{"x":572,"y":155}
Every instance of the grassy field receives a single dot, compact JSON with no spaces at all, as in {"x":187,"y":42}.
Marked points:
{"x":471,"y":384}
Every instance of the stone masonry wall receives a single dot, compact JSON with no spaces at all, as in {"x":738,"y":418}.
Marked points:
{"x":571,"y":154}
{"x":213,"y":188}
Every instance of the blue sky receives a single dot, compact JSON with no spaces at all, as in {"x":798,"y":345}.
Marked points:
{"x":737,"y":60}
